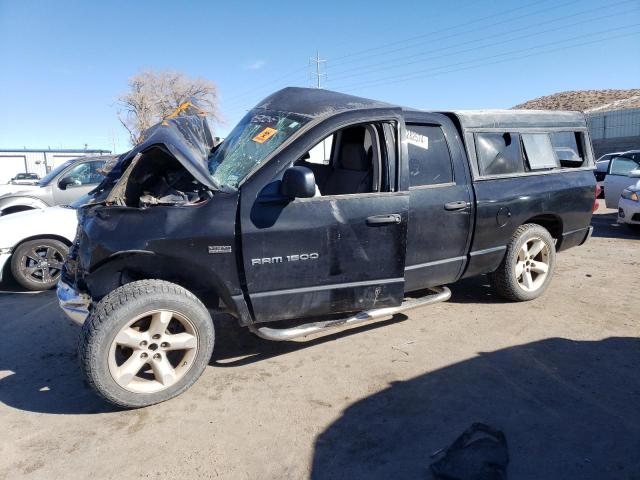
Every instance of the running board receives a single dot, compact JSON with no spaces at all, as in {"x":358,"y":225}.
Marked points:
{"x":441,"y":294}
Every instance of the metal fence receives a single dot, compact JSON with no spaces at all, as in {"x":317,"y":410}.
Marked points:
{"x":614,"y":124}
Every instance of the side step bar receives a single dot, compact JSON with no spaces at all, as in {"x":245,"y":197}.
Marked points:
{"x":441,"y":294}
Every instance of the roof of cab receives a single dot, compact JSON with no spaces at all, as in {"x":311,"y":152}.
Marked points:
{"x":315,"y":102}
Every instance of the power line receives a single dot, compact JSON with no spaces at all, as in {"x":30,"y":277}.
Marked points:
{"x":373,"y":68}
{"x":421,"y":73}
{"x":340,"y":61}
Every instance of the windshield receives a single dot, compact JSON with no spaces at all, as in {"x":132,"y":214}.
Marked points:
{"x":258,"y":134}
{"x":53,"y":173}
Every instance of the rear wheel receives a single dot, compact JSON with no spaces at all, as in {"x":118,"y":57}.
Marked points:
{"x":36,"y":264}
{"x":528,"y":265}
{"x":146,"y":342}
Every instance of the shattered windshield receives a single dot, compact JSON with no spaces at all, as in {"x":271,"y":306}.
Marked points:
{"x":257,"y":135}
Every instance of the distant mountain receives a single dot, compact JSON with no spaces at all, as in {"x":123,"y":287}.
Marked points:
{"x":586,"y":100}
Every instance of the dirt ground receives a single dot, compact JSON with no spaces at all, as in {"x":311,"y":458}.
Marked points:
{"x":560,"y":376}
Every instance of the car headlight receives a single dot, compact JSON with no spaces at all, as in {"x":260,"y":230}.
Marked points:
{"x":630,"y":195}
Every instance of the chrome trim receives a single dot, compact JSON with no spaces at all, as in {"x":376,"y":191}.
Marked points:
{"x":75,"y":304}
{"x":279,"y":334}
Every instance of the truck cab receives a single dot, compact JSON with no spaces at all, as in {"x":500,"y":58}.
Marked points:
{"x":319,"y":208}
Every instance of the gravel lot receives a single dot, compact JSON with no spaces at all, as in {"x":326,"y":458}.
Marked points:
{"x":559,"y":375}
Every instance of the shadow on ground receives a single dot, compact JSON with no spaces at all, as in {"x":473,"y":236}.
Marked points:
{"x":606,"y":225}
{"x":569,"y":409}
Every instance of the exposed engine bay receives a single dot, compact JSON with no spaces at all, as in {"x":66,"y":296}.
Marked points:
{"x":155,"y":177}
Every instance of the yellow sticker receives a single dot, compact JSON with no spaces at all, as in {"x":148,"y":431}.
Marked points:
{"x":265,"y":135}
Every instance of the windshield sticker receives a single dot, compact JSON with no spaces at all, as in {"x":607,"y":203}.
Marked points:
{"x":265,"y":135}
{"x":421,"y":141}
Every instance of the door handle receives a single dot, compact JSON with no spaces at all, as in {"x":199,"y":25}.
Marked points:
{"x":457,"y":205}
{"x":378,"y":220}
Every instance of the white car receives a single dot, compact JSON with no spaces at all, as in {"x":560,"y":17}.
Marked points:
{"x":624,"y":171}
{"x":629,"y":206}
{"x":35,"y":243}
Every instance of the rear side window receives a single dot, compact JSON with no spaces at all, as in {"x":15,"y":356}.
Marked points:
{"x":568,"y":147}
{"x":429,"y":159}
{"x":499,"y":153}
{"x":623,"y":165}
{"x":538,"y":151}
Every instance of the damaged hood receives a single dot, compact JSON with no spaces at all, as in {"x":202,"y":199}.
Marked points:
{"x":187,"y":138}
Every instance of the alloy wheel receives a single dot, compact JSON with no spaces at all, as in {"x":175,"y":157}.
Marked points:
{"x":532,"y":264}
{"x":153,"y":351}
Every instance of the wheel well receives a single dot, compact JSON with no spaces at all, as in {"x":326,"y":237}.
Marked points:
{"x":16,"y":209}
{"x":127,"y":268}
{"x":43,"y":236}
{"x":551,"y":223}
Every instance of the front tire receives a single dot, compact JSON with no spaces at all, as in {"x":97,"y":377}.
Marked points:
{"x":146,"y":342}
{"x":527,"y":267}
{"x":37,"y":264}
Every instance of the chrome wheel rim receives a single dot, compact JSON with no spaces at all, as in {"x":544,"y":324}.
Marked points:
{"x":532,"y":264}
{"x":153,"y":351}
{"x":42,"y":264}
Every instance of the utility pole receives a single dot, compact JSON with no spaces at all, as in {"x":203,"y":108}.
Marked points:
{"x":318,"y":74}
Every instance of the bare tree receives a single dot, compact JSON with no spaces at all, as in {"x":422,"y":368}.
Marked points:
{"x":153,"y":96}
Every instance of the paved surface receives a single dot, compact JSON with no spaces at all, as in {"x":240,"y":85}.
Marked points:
{"x":560,"y":376}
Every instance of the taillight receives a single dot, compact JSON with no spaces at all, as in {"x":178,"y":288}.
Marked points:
{"x":596,"y":204}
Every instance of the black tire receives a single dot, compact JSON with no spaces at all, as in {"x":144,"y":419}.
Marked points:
{"x":504,"y":280}
{"x":29,"y":272}
{"x":114,"y":311}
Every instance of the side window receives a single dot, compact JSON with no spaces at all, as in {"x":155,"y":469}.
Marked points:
{"x":321,"y":153}
{"x":429,"y":159}
{"x":86,"y":173}
{"x":568,"y":148}
{"x":499,"y":153}
{"x":347,"y":162}
{"x":538,"y":151}
{"x":623,"y":165}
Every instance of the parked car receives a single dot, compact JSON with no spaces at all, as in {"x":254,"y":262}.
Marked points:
{"x":25,"y":179}
{"x":618,"y":176}
{"x":34,"y":244}
{"x":318,"y":205}
{"x":63,"y":185}
{"x":629,"y":205}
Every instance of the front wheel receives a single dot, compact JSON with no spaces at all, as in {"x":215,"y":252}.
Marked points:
{"x":528,"y":265}
{"x":146,"y":342}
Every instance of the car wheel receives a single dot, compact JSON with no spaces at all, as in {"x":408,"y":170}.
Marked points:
{"x":36,"y":264}
{"x":528,"y":265}
{"x":146,"y":342}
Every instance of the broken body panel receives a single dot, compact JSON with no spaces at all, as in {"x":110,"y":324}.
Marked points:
{"x":172,"y":209}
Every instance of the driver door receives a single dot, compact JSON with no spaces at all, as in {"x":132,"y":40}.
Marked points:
{"x":342,"y":250}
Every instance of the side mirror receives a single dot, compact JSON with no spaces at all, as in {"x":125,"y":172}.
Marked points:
{"x":65,"y":182}
{"x":634,"y":173}
{"x":298,"y":182}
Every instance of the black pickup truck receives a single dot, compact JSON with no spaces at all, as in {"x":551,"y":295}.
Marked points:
{"x":319,"y":208}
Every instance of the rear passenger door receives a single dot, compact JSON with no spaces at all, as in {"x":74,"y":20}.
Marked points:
{"x":440,"y":202}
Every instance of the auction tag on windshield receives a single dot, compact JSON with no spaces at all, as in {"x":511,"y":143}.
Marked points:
{"x":417,"y":139}
{"x":265,"y":135}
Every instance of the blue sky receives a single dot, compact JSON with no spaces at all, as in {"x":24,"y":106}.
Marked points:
{"x":62,"y":63}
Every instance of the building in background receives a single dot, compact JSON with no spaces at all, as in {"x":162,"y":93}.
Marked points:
{"x":39,"y":162}
{"x":614,"y":130}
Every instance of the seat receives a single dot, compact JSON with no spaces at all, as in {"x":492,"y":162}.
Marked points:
{"x":353,"y":172}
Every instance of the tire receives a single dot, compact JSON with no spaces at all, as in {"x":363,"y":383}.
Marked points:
{"x":132,"y":315}
{"x":508,"y":282}
{"x":36,"y":264}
